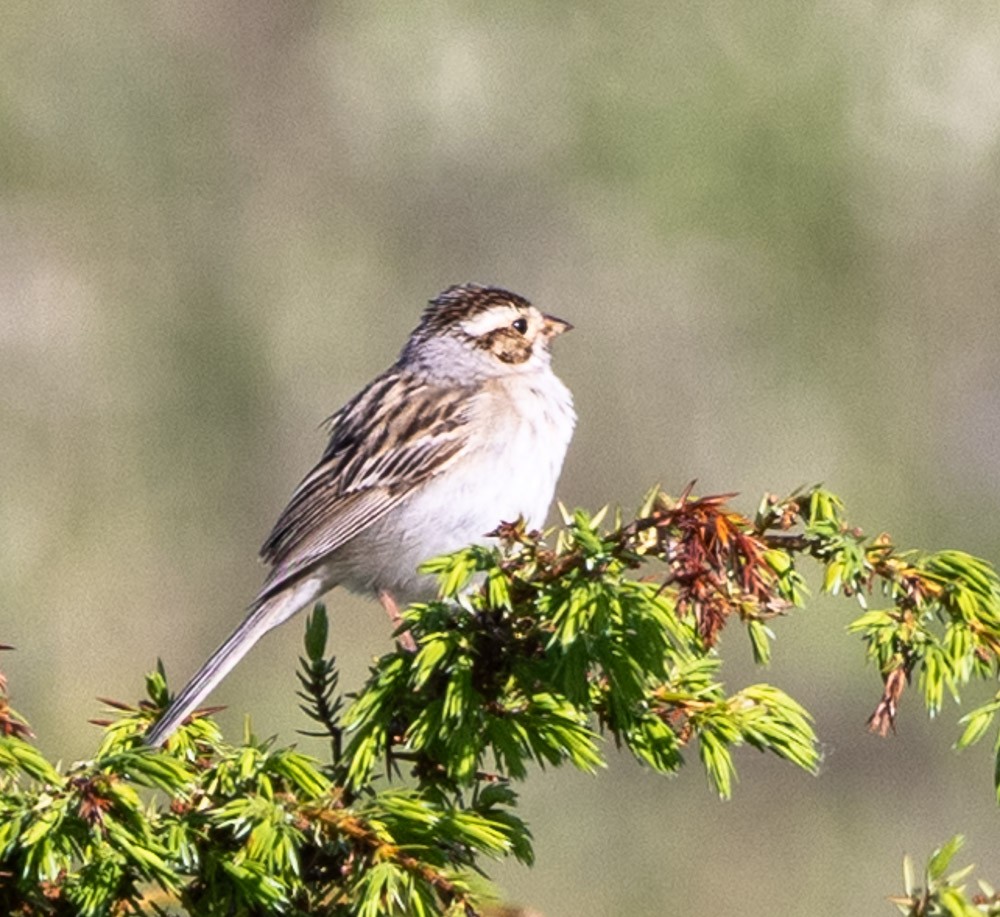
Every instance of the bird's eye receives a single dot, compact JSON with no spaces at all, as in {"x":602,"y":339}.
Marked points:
{"x":520,"y":325}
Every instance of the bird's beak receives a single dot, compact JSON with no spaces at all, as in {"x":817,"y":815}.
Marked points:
{"x":553,"y":326}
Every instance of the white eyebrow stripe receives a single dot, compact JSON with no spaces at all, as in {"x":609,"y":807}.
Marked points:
{"x":489,"y":320}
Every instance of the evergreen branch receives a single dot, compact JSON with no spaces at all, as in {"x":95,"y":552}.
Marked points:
{"x":319,"y":678}
{"x":535,"y":653}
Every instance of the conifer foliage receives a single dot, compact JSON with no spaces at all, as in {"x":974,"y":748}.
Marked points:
{"x":544,"y":651}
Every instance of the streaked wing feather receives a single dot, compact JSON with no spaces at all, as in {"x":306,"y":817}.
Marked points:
{"x":385,"y":443}
{"x":347,"y":516}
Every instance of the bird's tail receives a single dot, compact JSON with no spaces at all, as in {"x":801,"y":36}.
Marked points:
{"x":264,"y":615}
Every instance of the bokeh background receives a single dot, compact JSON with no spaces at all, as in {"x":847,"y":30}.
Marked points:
{"x":774,"y":225}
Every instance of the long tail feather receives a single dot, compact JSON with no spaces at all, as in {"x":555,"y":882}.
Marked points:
{"x":264,"y":616}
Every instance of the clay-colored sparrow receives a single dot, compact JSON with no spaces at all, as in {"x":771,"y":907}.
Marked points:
{"x":468,"y":429}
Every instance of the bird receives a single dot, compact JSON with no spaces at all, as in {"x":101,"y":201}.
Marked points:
{"x":467,"y":429}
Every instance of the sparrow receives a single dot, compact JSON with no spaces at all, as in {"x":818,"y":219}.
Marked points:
{"x":467,"y":429}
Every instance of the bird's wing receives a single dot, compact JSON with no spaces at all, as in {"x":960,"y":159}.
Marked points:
{"x":384,"y":444}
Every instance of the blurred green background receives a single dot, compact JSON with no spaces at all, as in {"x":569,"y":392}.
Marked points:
{"x":774,"y":225}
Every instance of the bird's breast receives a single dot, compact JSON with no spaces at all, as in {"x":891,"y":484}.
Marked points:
{"x":518,"y":435}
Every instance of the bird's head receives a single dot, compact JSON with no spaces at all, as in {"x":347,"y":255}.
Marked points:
{"x":488,"y":331}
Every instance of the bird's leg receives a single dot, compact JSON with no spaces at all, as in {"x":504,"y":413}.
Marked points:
{"x":405,"y":638}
